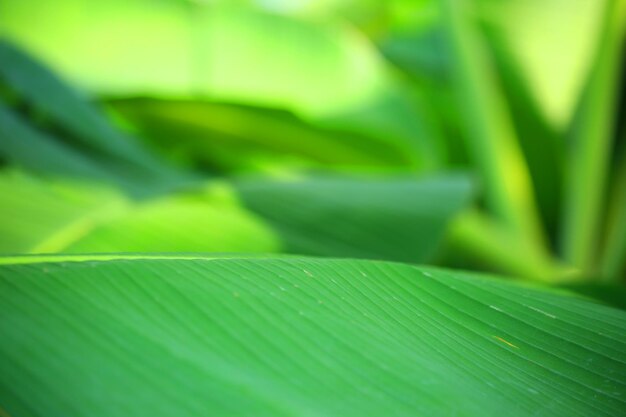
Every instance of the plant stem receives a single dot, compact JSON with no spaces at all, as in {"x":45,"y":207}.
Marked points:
{"x":475,"y":233}
{"x":613,"y":259}
{"x":491,"y":137}
{"x":590,"y":144}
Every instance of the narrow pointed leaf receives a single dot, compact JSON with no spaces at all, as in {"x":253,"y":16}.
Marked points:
{"x":40,"y":88}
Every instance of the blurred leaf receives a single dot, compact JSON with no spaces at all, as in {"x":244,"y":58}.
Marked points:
{"x":419,"y":53}
{"x":326,"y":73}
{"x":205,"y":129}
{"x":613,"y":263}
{"x":477,"y":241}
{"x":62,"y":134}
{"x":42,"y":216}
{"x":397,"y":218}
{"x":186,"y":223}
{"x":43,"y":90}
{"x":423,"y":55}
{"x":23,"y":145}
{"x":161,"y":336}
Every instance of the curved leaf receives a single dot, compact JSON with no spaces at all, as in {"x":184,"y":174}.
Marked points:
{"x":297,"y":337}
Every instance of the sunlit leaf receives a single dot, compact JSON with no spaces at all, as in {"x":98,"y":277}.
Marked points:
{"x":43,"y":216}
{"x":192,"y":223}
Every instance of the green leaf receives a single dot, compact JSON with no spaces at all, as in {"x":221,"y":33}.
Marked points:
{"x":396,"y":218}
{"x":180,"y":223}
{"x":613,"y":263}
{"x":27,"y":147}
{"x":165,"y":336}
{"x":326,"y":73}
{"x":206,"y":130}
{"x":43,"y":216}
{"x":94,"y":136}
{"x":478,"y":242}
{"x":540,"y":141}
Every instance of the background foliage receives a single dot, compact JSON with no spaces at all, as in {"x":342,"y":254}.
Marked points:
{"x":338,"y":128}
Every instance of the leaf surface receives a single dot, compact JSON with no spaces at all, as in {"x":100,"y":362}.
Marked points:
{"x":297,"y":337}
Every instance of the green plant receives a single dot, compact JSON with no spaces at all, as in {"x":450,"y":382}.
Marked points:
{"x":173,"y":248}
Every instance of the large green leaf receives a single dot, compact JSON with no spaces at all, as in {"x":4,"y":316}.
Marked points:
{"x":191,"y":336}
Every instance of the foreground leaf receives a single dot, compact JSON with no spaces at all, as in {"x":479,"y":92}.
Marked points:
{"x":163,"y":336}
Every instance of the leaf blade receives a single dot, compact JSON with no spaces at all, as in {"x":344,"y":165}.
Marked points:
{"x":228,"y":339}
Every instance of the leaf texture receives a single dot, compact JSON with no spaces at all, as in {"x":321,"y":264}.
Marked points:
{"x":164,"y":336}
